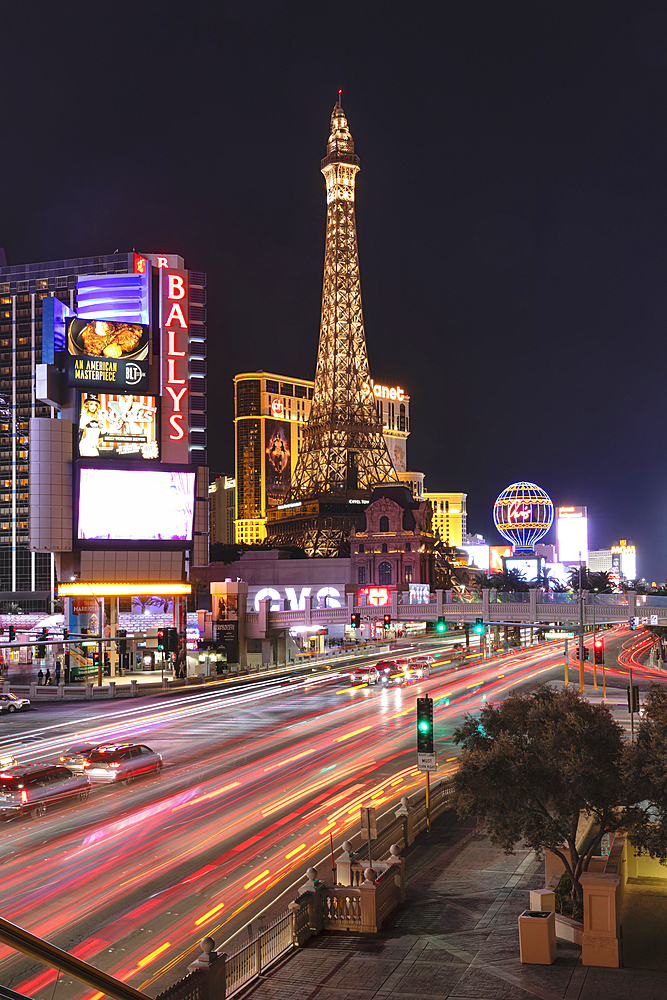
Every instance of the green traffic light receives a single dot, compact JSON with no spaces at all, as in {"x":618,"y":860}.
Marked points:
{"x":423,"y":727}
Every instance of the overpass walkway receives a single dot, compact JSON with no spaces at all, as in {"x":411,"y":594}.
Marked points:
{"x":535,"y":607}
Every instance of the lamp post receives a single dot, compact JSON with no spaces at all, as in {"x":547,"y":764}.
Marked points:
{"x":581,"y":632}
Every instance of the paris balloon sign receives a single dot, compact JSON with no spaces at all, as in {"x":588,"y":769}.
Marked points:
{"x":523,"y":513}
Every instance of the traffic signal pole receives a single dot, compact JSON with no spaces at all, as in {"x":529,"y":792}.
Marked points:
{"x":428,"y":802}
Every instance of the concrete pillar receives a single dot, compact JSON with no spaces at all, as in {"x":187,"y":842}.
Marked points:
{"x":133,"y":687}
{"x":599,"y":944}
{"x":394,"y":606}
{"x":438,"y":602}
{"x":344,"y":865}
{"x":267,"y":650}
{"x":263,"y":619}
{"x":308,"y":610}
{"x":405,"y":812}
{"x":485,"y":604}
{"x":533,"y":605}
{"x":632,"y":602}
{"x":112,"y":689}
{"x":113,"y":625}
{"x":368,"y":903}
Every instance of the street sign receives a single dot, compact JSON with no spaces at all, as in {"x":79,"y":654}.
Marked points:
{"x":654,"y":619}
{"x":369,"y":823}
{"x":427,"y":762}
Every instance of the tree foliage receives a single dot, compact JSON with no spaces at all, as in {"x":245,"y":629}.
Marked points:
{"x":646,"y":773}
{"x":535,"y":763}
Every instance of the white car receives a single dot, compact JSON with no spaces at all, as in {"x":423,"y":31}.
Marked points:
{"x":10,"y":703}
{"x":365,"y":675}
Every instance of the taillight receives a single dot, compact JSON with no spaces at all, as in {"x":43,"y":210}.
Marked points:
{"x":87,"y":763}
{"x":115,"y":764}
{"x":24,"y":796}
{"x":62,"y":759}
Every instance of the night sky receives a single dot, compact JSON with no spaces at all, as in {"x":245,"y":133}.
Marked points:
{"x":511,"y":212}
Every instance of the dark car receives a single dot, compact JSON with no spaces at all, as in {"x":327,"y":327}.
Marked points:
{"x":121,"y":762}
{"x":29,"y":788}
{"x":75,"y":756}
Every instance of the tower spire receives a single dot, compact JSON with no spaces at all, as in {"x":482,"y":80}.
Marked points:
{"x":343,"y":453}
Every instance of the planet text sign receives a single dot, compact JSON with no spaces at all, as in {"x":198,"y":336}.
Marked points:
{"x":175,"y":374}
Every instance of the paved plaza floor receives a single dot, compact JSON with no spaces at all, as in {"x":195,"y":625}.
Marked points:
{"x":455,"y":938}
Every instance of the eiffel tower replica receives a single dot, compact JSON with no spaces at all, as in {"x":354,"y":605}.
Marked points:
{"x":343,"y":455}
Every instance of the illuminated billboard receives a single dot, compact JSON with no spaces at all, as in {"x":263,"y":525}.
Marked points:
{"x":478,"y":556}
{"x":277,"y":461}
{"x":523,"y":513}
{"x":572,"y":532}
{"x":496,"y":555}
{"x":175,"y":361}
{"x":106,"y":355}
{"x":117,"y":426}
{"x":627,"y":559}
{"x":529,"y":568}
{"x":145,"y":505}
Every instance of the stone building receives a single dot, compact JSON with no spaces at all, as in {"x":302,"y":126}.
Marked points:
{"x":393,"y":543}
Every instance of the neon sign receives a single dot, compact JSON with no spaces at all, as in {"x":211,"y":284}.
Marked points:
{"x":384,"y":392}
{"x":277,"y":407}
{"x":175,"y":354}
{"x":376,"y":597}
{"x":139,"y":264}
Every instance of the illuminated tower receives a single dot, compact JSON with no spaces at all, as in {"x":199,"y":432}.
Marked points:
{"x":343,"y":454}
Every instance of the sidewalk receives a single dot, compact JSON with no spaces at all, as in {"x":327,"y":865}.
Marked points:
{"x":456,"y":937}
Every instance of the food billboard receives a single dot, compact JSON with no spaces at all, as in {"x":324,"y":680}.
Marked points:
{"x":105,"y":354}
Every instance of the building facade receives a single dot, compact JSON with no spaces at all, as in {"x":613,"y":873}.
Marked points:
{"x":393,"y":543}
{"x":222,"y":501}
{"x":27,"y":576}
{"x":449,"y":516}
{"x":270,"y":416}
{"x":36,"y":302}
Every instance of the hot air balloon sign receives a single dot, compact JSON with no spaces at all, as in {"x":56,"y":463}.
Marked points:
{"x":523,"y":513}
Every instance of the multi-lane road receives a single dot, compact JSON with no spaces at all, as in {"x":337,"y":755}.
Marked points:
{"x":256,"y":781}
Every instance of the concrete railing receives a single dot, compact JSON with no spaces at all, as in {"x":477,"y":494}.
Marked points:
{"x":363,"y":900}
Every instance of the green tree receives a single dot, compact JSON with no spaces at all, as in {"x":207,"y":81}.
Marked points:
{"x":534,"y":763}
{"x":646,"y":773}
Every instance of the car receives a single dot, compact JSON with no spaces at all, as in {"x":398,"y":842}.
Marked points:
{"x":27,"y":789}
{"x":75,"y":756}
{"x":365,"y":675}
{"x":121,"y":762}
{"x":10,"y":703}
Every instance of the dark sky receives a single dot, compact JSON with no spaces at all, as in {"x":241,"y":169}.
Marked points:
{"x":511,"y":212}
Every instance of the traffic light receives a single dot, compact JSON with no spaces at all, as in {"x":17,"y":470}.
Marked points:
{"x":587,"y":653}
{"x":386,"y":621}
{"x":162,"y":639}
{"x":172,"y":640}
{"x":121,"y":634}
{"x":12,"y":633}
{"x":633,"y":706}
{"x":442,"y":624}
{"x":633,"y":623}
{"x":355,"y":620}
{"x":65,"y":634}
{"x":599,"y":650}
{"x":96,"y":658}
{"x":41,"y":648}
{"x":424,"y":725}
{"x":478,"y":628}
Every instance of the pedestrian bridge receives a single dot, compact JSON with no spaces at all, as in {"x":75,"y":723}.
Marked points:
{"x":534,"y":607}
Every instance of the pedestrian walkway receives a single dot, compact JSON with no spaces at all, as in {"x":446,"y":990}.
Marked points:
{"x":456,"y":938}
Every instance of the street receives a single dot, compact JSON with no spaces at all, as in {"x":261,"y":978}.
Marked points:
{"x":255,"y":782}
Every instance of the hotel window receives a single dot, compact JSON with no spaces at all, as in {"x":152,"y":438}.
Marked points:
{"x":384,"y":524}
{"x":384,"y":546}
{"x":408,"y":574}
{"x":361,"y":574}
{"x":408,"y":547}
{"x":361,"y":547}
{"x":384,"y":573}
